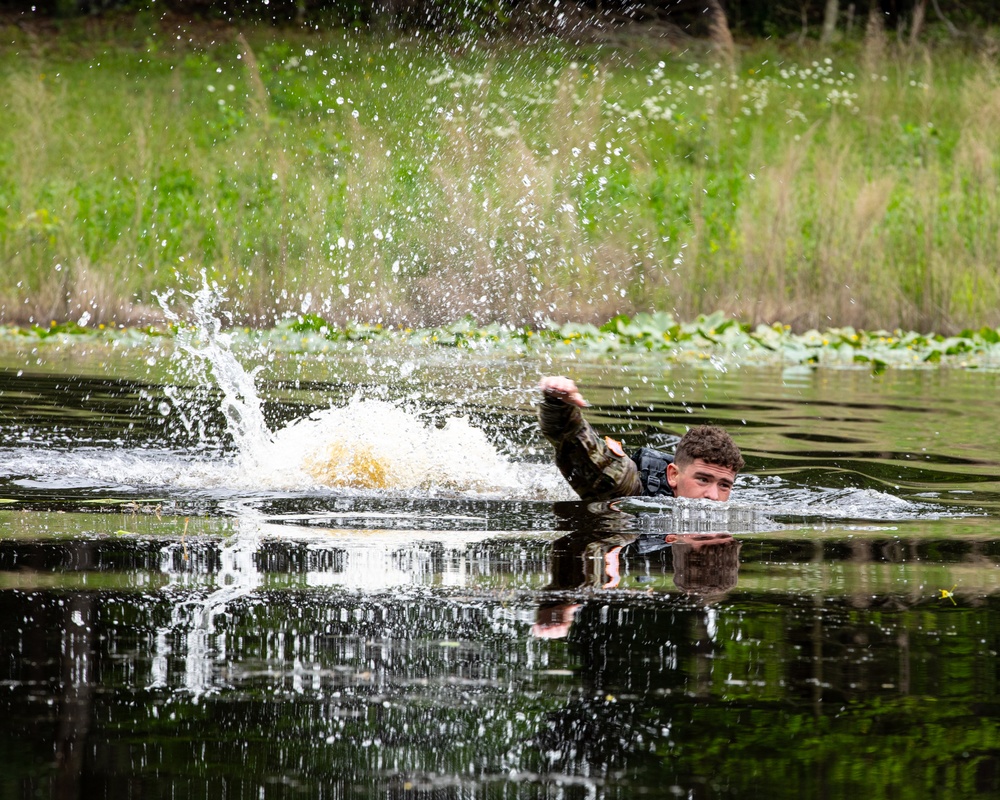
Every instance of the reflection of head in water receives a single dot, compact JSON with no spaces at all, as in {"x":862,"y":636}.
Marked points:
{"x":706,"y":564}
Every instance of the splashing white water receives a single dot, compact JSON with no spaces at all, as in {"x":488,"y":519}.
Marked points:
{"x":367,"y":444}
{"x":207,"y":345}
{"x":373,"y":444}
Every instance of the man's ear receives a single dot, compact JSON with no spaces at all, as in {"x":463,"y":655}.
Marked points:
{"x":672,"y":474}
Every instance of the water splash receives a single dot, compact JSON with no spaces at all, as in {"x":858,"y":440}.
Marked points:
{"x":209,"y":351}
{"x":771,"y":504}
{"x":368,"y":444}
{"x":696,"y":516}
{"x":374,"y":444}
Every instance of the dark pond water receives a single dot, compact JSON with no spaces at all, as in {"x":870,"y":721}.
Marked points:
{"x":375,"y":585}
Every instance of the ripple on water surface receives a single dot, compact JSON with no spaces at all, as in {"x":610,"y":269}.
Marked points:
{"x":404,"y":595}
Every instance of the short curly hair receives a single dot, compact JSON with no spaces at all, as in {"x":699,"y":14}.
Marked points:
{"x":712,"y":445}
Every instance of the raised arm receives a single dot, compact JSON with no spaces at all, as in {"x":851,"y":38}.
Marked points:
{"x":593,"y":470}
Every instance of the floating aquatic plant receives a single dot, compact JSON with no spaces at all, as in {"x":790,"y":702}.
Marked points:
{"x":709,"y":337}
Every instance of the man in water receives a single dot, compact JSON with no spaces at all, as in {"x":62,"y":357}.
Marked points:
{"x":704,"y":465}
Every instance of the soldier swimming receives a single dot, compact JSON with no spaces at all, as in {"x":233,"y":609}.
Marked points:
{"x":704,"y":465}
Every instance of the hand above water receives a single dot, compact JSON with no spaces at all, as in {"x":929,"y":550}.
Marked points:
{"x":560,"y":388}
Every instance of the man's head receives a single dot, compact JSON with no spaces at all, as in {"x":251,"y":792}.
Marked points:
{"x":705,"y":464}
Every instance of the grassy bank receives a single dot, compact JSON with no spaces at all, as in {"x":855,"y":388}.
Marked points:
{"x":413,"y":182}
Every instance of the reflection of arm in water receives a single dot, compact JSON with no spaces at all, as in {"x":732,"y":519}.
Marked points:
{"x":705,"y":564}
{"x":705,"y":466}
{"x":580,"y":560}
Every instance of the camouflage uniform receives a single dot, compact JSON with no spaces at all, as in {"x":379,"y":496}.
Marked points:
{"x":593,"y":470}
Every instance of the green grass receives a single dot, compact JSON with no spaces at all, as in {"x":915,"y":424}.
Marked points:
{"x":414,"y":182}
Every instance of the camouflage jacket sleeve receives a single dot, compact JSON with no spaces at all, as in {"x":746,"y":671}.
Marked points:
{"x":583,"y":457}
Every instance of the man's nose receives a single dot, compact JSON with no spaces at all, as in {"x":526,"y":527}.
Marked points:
{"x":712,"y":491}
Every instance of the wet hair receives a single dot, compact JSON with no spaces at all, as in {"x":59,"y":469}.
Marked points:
{"x":712,"y":445}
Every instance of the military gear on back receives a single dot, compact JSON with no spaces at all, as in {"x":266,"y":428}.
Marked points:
{"x":652,"y":466}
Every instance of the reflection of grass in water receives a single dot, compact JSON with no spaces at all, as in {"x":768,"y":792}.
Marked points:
{"x":418,"y":183}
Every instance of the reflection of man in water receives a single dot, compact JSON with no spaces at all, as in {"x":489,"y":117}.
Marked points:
{"x":705,"y":565}
{"x":639,"y":663}
{"x":704,"y":465}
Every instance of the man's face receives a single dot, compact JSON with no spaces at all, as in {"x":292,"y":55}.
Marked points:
{"x":700,"y":480}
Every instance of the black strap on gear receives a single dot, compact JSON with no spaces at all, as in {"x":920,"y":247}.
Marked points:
{"x":652,"y":466}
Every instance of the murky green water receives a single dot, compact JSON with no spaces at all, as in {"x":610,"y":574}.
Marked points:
{"x":189,"y":614}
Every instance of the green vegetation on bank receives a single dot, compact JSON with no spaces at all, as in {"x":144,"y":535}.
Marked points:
{"x":712,"y":338}
{"x":406,"y":181}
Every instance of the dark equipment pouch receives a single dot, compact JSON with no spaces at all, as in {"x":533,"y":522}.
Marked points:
{"x":652,"y":466}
